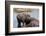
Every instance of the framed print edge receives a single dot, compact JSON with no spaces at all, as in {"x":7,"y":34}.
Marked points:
{"x":7,"y":20}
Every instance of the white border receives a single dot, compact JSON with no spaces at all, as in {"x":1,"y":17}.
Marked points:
{"x":29,"y":28}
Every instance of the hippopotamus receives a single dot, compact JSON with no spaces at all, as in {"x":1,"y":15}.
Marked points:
{"x":27,"y":20}
{"x":34,"y":23}
{"x":23,"y":18}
